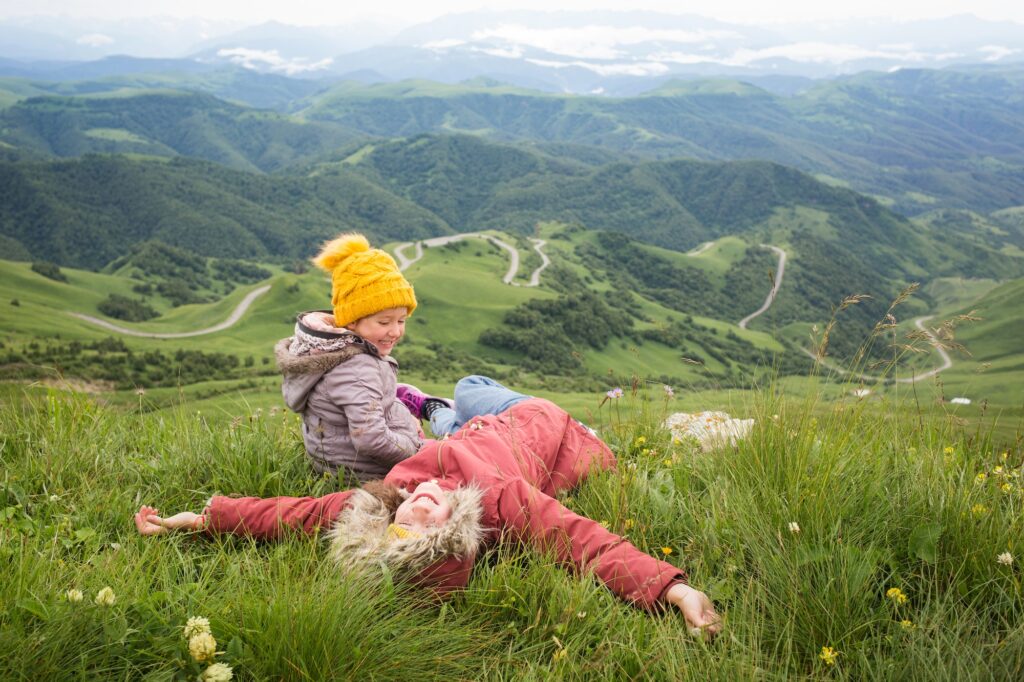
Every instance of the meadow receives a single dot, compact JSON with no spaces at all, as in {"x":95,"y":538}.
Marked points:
{"x":842,"y":539}
{"x":870,"y":537}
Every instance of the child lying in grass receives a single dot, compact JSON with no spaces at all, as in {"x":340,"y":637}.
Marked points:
{"x":494,"y":479}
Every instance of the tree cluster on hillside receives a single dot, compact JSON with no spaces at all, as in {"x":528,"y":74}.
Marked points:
{"x":49,"y":270}
{"x":550,"y":333}
{"x":128,"y":309}
{"x":111,"y":360}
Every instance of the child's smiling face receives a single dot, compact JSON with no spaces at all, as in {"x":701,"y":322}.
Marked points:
{"x":425,"y":510}
{"x":384,"y":329}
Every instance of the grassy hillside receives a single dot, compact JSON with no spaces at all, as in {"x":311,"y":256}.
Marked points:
{"x":848,"y":128}
{"x":445,"y":337}
{"x":166,"y":123}
{"x":90,"y":211}
{"x":868,"y":534}
{"x":840,"y":242}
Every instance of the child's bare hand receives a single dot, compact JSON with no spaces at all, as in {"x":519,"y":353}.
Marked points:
{"x":148,"y":521}
{"x":698,"y":610}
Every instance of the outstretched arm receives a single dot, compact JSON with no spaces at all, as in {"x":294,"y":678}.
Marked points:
{"x":149,"y":522}
{"x":265,"y":518}
{"x":540,"y":520}
{"x":697,"y":609}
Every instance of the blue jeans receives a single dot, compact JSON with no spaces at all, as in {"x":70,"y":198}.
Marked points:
{"x":474,"y":396}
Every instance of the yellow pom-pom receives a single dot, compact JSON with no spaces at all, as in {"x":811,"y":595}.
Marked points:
{"x":337,"y":250}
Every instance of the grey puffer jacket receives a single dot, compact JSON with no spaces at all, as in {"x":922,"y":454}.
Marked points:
{"x":350,"y":416}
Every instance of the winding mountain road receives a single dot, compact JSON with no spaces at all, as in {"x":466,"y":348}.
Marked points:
{"x":405,"y":261}
{"x":779,"y":272}
{"x":947,"y":361}
{"x":700,"y":249}
{"x":235,"y":315}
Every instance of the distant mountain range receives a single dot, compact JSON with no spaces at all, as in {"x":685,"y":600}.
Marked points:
{"x":615,"y":53}
{"x":919,"y":140}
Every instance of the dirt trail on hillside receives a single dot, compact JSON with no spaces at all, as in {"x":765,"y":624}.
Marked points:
{"x":947,"y":361}
{"x":700,"y":249}
{"x":513,"y":254}
{"x":779,"y":272}
{"x":235,"y":315}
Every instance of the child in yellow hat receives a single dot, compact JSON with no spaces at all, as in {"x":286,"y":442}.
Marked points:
{"x":337,"y":368}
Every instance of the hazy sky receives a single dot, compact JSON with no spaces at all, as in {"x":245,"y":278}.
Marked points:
{"x":327,"y":12}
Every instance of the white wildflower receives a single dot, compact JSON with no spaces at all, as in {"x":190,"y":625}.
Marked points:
{"x":218,"y":672}
{"x":105,"y":597}
{"x":196,"y":625}
{"x":203,"y":647}
{"x":1006,"y":559}
{"x":794,"y":527}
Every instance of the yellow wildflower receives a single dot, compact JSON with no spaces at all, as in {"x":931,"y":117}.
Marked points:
{"x":628,"y":524}
{"x":203,"y":647}
{"x":998,"y":471}
{"x":1006,"y":487}
{"x":896,"y":594}
{"x":981,"y":478}
{"x":667,"y":462}
{"x":979,"y":509}
{"x":948,"y":450}
{"x":666,"y":550}
{"x":105,"y":597}
{"x":559,"y":655}
{"x":828,"y":655}
{"x":907,"y":624}
{"x":640,"y":440}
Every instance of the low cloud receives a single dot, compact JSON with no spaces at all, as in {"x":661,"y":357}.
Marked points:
{"x":441,"y":45}
{"x":593,"y":42}
{"x":94,"y":40}
{"x":620,"y":69}
{"x":271,"y":60}
{"x":829,"y":53}
{"x":993,"y":53}
{"x":513,"y":52}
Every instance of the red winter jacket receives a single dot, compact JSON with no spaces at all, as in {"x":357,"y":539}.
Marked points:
{"x":520,"y":459}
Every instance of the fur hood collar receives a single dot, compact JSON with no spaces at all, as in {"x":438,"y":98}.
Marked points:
{"x":290,"y":364}
{"x":315,"y":349}
{"x":359,"y":536}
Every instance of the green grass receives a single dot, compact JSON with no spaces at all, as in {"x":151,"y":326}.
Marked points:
{"x":462,"y":294}
{"x":882,"y":497}
{"x":715,"y":261}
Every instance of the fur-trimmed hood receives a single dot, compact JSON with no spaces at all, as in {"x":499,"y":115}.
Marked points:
{"x":359,"y":538}
{"x":314,"y":350}
{"x":314,"y":364}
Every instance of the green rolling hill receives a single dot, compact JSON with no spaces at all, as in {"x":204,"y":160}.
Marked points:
{"x":91,"y":211}
{"x":165,"y":124}
{"x":918,"y":139}
{"x":448,"y":335}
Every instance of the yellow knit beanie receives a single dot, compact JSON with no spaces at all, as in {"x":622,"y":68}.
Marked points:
{"x":364,"y":281}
